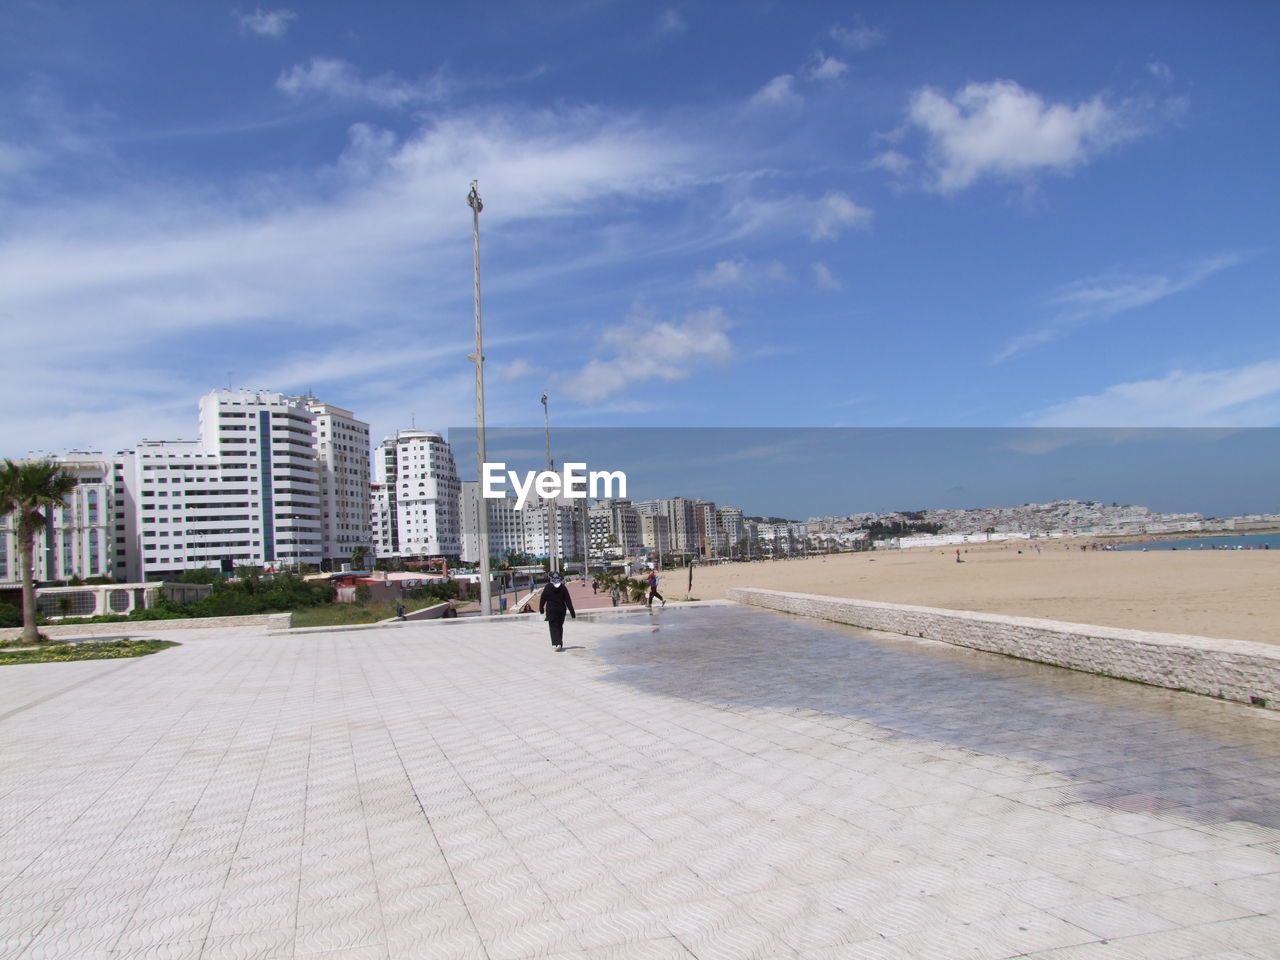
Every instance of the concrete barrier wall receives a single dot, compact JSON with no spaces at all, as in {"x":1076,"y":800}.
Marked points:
{"x":1232,"y":669}
{"x":272,"y":621}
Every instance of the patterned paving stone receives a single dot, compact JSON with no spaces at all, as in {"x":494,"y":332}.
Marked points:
{"x":688,"y":784}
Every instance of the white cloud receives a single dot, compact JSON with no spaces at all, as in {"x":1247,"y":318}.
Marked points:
{"x":198,"y":280}
{"x":896,"y":163}
{"x":824,"y":278}
{"x":859,"y":39}
{"x":1099,"y":298}
{"x":517,"y":369}
{"x":1247,"y":396}
{"x":1001,"y":130}
{"x":1161,"y":71}
{"x":836,"y":212}
{"x":778,"y":92}
{"x":643,"y":349}
{"x":726,"y":273}
{"x":267,"y":23}
{"x":741,"y":273}
{"x":670,"y":21}
{"x":339,"y":80}
{"x":823,"y":67}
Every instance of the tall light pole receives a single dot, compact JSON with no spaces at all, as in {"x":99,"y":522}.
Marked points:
{"x":486,"y":598}
{"x":553,"y":514}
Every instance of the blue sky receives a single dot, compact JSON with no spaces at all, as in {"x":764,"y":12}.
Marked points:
{"x":808,"y":472}
{"x":696,"y":214}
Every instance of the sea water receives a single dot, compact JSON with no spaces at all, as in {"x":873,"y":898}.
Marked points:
{"x":1252,"y":541}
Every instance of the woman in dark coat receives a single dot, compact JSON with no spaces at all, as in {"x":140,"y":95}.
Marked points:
{"x":555,"y":600}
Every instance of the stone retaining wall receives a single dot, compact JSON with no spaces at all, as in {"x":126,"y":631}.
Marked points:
{"x":1231,"y":669}
{"x":272,"y":621}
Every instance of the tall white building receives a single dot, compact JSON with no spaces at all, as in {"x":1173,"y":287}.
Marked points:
{"x":615,"y":527}
{"x":415,"y":497}
{"x":506,"y":524}
{"x":342,"y":455}
{"x":78,"y":540}
{"x":246,"y":493}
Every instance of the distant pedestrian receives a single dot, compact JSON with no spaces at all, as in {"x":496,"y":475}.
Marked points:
{"x":615,"y":595}
{"x":653,"y":589}
{"x":555,"y":602}
{"x":399,"y":610}
{"x":595,"y":586}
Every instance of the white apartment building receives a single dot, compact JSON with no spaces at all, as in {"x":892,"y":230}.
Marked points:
{"x":246,"y":493}
{"x":77,"y":540}
{"x":524,"y":531}
{"x":615,"y":526}
{"x":342,"y":455}
{"x":416,"y":497}
{"x":682,"y":522}
{"x":506,"y":524}
{"x":732,"y":528}
{"x":655,"y":533}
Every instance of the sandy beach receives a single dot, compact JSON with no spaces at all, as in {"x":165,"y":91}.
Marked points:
{"x":1234,"y":594}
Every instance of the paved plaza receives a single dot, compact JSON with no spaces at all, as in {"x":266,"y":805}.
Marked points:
{"x":714,"y":783}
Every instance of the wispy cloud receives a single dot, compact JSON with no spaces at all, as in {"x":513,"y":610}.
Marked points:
{"x":1247,"y":396}
{"x":1003,"y":131}
{"x":824,"y":278}
{"x":1100,"y":298}
{"x":670,"y":21}
{"x":340,"y":80}
{"x":266,"y":23}
{"x":859,"y":39}
{"x":741,"y":273}
{"x":836,"y":212}
{"x":823,"y":67}
{"x":778,"y":92}
{"x":644,"y":349}
{"x":198,"y":281}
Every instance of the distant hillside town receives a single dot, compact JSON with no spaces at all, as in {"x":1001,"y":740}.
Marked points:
{"x":275,"y":481}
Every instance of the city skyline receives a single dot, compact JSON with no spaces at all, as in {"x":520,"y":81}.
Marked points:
{"x":1003,"y":216}
{"x":800,"y":473}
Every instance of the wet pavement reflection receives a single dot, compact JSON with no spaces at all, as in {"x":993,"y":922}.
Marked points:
{"x":1125,"y":746}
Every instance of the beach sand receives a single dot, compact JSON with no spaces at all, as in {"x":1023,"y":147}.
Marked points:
{"x":1233,"y":594}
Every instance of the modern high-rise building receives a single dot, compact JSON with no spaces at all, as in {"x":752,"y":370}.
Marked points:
{"x":506,"y":524}
{"x":246,"y":493}
{"x":682,"y":522}
{"x":615,"y":527}
{"x":655,"y":534}
{"x":342,"y":454}
{"x":78,"y":539}
{"x":732,"y":528}
{"x":416,"y":497}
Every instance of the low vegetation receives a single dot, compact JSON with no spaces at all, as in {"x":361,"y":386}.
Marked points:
{"x":11,"y":652}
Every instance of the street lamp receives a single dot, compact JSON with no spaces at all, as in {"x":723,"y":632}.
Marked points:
{"x":486,"y":600}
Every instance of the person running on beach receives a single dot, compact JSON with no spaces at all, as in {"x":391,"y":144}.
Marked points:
{"x":554,"y":602}
{"x":653,"y":589}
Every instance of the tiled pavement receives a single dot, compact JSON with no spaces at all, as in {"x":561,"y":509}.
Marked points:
{"x":689,"y":783}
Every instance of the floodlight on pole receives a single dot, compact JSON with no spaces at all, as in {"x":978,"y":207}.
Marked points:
{"x":486,"y":599}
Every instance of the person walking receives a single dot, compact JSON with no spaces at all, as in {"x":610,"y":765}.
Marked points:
{"x":653,"y":589}
{"x":615,"y":595}
{"x":555,"y":602}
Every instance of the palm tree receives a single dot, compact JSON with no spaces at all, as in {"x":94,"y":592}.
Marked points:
{"x":358,"y":557}
{"x":31,"y":491}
